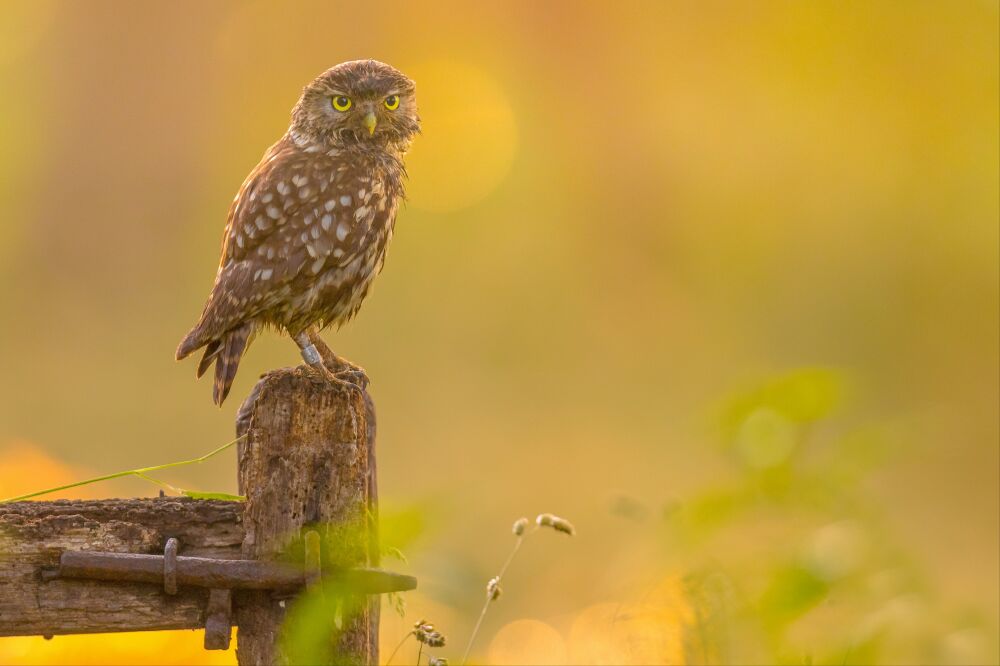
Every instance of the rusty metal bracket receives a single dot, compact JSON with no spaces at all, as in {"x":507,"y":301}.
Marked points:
{"x":219,"y":619}
{"x":218,"y":612}
{"x":221,"y":577}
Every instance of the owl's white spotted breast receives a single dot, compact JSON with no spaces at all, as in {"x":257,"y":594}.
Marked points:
{"x":307,"y":233}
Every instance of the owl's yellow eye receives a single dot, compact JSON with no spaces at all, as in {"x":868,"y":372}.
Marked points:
{"x":341,"y":103}
{"x":392,"y":102}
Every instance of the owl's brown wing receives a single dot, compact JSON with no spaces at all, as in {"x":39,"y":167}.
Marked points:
{"x":226,"y":306}
{"x":297,"y":214}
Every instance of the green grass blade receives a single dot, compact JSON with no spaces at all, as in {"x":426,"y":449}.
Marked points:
{"x":117,"y":475}
{"x":195,"y":494}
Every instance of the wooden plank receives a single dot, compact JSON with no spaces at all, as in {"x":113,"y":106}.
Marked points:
{"x":33,"y":534}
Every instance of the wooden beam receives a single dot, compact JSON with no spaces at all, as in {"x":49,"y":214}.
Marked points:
{"x":34,"y":534}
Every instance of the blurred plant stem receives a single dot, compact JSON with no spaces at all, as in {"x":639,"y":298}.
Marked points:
{"x":490,"y":596}
{"x":396,"y":649}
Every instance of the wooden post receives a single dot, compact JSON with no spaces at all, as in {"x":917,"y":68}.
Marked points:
{"x":305,"y":463}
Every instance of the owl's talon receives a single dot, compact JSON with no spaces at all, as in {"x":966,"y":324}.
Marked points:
{"x":353,"y":375}
{"x":345,"y":370}
{"x":335,"y":378}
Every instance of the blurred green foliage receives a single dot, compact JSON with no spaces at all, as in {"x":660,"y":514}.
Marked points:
{"x":824,"y":582}
{"x":316,"y":620}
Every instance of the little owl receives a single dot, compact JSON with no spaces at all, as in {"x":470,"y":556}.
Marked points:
{"x":308,"y":230}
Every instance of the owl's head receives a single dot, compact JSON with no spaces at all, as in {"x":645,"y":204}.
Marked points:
{"x":361,"y":102}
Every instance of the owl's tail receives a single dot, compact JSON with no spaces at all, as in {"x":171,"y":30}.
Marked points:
{"x":225,"y":351}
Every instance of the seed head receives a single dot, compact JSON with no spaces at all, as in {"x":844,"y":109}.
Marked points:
{"x":519,"y":526}
{"x":493,"y":589}
{"x":556,"y":523}
{"x":426,"y":634}
{"x":437,"y":661}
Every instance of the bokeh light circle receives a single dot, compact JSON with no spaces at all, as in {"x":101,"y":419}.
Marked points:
{"x":468,"y":140}
{"x":528,"y":642}
{"x":656,"y":630}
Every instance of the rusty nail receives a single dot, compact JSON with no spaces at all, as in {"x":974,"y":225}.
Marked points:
{"x":170,"y":566}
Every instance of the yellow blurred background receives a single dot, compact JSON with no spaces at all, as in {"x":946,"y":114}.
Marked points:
{"x":717,"y":281}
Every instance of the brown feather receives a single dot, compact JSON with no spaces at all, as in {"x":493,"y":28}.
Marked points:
{"x":228,"y":360}
{"x":211,"y":352}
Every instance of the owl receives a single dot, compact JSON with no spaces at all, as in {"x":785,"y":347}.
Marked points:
{"x":308,"y":230}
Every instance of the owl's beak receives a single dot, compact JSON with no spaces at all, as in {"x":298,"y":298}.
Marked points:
{"x":370,"y":121}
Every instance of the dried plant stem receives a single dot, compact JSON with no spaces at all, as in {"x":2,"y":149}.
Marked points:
{"x":510,"y":558}
{"x":396,"y":649}
{"x":140,"y":472}
{"x":472,"y":638}
{"x":420,"y":653}
{"x":486,"y":605}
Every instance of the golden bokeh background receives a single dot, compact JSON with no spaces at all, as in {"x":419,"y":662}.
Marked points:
{"x":717,"y":281}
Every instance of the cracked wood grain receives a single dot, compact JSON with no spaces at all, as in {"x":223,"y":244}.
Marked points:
{"x":307,"y":463}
